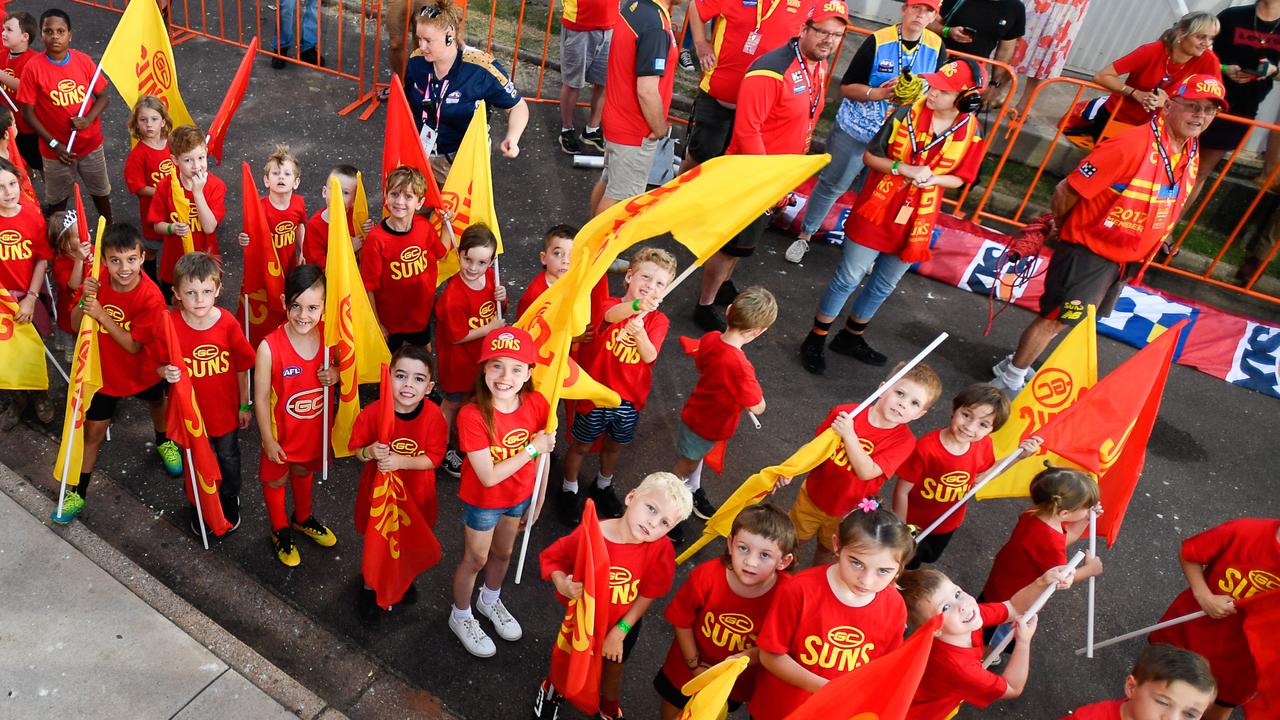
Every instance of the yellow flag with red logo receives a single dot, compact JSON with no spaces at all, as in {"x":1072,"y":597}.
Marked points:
{"x":709,"y":692}
{"x":350,"y":327}
{"x":21,"y":350}
{"x":139,"y":60}
{"x":360,"y":206}
{"x":181,"y":208}
{"x":86,"y":380}
{"x":1072,"y":368}
{"x":467,"y":194}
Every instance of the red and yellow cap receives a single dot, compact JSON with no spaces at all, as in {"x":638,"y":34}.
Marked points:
{"x":1202,"y":87}
{"x":955,"y":76}
{"x":509,"y":342}
{"x":827,"y":9}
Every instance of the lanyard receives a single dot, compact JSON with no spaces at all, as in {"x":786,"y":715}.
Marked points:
{"x":1168,"y":164}
{"x":815,"y":86}
{"x":760,"y":20}
{"x":439,"y":103}
{"x":916,"y":151}
{"x":911,"y":56}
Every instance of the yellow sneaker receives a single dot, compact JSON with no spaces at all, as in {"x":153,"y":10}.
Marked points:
{"x":286,"y":551}
{"x":314,"y":529}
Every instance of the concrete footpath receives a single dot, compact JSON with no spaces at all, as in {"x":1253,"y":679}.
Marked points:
{"x":82,"y":634}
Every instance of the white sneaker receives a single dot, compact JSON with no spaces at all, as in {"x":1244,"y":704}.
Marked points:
{"x":1002,"y":367}
{"x":1009,"y":386}
{"x":796,"y":252}
{"x":472,"y":636}
{"x":503,"y":623}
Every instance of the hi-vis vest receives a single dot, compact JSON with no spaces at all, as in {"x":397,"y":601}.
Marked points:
{"x":862,"y":118}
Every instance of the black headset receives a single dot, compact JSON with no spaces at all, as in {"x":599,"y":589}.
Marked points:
{"x":970,"y":101}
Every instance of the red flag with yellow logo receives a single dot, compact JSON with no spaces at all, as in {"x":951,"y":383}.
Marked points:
{"x":231,"y":102}
{"x":398,"y":543}
{"x":263,"y":269}
{"x":578,"y":652}
{"x":879,"y":690}
{"x":1106,"y":430}
{"x":186,"y":428}
{"x":401,"y":145}
{"x":1261,"y":628}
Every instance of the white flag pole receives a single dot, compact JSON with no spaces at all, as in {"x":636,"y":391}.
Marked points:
{"x":84,"y":105}
{"x":991,"y":474}
{"x":324,"y":429}
{"x":66,"y":463}
{"x":533,"y":505}
{"x":1147,"y":630}
{"x":1093,"y":552}
{"x":1035,"y":608}
{"x":195,"y":495}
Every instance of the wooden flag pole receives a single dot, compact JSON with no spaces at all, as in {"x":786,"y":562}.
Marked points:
{"x":195,"y":496}
{"x":1035,"y":608}
{"x":1147,"y":630}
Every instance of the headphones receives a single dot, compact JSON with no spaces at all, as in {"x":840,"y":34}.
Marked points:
{"x":448,"y":39}
{"x":970,"y":101}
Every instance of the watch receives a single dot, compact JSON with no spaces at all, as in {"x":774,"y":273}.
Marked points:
{"x":53,"y":142}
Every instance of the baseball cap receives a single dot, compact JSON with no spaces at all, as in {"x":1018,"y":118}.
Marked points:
{"x":827,"y":9}
{"x":935,"y":4}
{"x":509,"y":342}
{"x":1202,"y":87}
{"x":954,"y":77}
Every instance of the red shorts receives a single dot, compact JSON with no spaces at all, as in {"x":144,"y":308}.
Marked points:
{"x":270,"y":472}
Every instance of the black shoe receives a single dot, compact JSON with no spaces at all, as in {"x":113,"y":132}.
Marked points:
{"x":278,"y":63}
{"x":568,"y":508}
{"x":687,"y":60}
{"x":311,"y":57}
{"x":727,"y":293}
{"x":231,"y":511}
{"x":856,"y":347}
{"x":812,"y":355}
{"x":607,"y":503}
{"x":367,"y":605}
{"x":546,"y":706}
{"x":702,"y":506}
{"x":594,"y":139}
{"x":569,"y":142}
{"x":706,"y":317}
{"x":452,"y":463}
{"x":676,"y":534}
{"x":410,"y":595}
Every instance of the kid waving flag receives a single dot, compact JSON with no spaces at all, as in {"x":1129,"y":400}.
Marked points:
{"x":263,"y":284}
{"x":577,"y":654}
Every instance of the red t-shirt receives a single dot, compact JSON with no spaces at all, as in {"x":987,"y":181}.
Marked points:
{"x":213,"y":358}
{"x":283,"y":226}
{"x":938,"y":479}
{"x":827,"y":637}
{"x":297,"y":399}
{"x":12,"y":66}
{"x":56,"y":91}
{"x":63,"y":295}
{"x":1148,"y":67}
{"x":834,"y":487}
{"x":723,"y":623}
{"x":779,"y":101}
{"x":1033,"y":548}
{"x":1105,"y":710}
{"x":726,"y":386}
{"x":421,"y":432}
{"x":137,"y":312}
{"x":1127,"y":203}
{"x":400,"y":269}
{"x":776,"y":22}
{"x":955,"y":674}
{"x":583,"y":15}
{"x":636,"y":570}
{"x":147,"y":167}
{"x":643,"y":46}
{"x":537,"y":286}
{"x":512,"y":432}
{"x":315,"y":246}
{"x":23,"y":243}
{"x":613,"y":359}
{"x":1241,"y":559}
{"x":161,"y":210}
{"x":460,"y":310}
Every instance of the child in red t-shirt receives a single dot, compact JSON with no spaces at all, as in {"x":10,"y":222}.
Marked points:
{"x":621,"y":356}
{"x":148,"y":166}
{"x":873,"y":446}
{"x":291,"y":379}
{"x":831,"y":619}
{"x":284,"y":209}
{"x":204,"y":193}
{"x":1223,"y":565}
{"x":946,"y":463}
{"x":501,"y":433}
{"x":71,"y":260}
{"x":127,"y":306}
{"x":316,"y":248}
{"x":955,"y":674}
{"x":557,"y":245}
{"x":400,"y":262}
{"x":639,"y":550}
{"x":418,"y":438}
{"x":24,"y":255}
{"x":718,"y":611}
{"x":1166,"y":682}
{"x":9,"y":151}
{"x":20,"y":31}
{"x":218,"y":358}
{"x":469,"y":308}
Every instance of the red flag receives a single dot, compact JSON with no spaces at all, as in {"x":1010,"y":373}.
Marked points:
{"x":401,"y":145}
{"x":1262,"y":627}
{"x":24,"y":174}
{"x":235,"y":93}
{"x":263,"y":269}
{"x":186,"y":428}
{"x":577,"y":655}
{"x":1106,"y":430}
{"x":398,"y":543}
{"x":880,"y":690}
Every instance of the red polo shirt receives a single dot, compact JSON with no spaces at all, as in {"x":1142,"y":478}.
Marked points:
{"x":734,"y":21}
{"x":780,"y":100}
{"x":643,"y":46}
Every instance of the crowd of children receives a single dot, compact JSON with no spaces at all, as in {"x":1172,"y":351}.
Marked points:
{"x":461,"y":386}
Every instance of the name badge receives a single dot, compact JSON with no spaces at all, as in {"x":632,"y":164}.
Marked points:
{"x":428,"y":138}
{"x":752,"y":43}
{"x":904,"y":214}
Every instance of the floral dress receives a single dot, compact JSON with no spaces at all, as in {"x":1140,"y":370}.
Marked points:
{"x":1051,"y":28}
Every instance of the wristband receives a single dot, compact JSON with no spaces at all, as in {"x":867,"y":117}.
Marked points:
{"x":894,"y":167}
{"x":624,"y":626}
{"x":868,"y":92}
{"x":361,"y":456}
{"x":533,"y":451}
{"x":246,"y":407}
{"x":635,"y":305}
{"x":169,"y":230}
{"x":53,"y":143}
{"x":946,"y":31}
{"x":1224,"y":68}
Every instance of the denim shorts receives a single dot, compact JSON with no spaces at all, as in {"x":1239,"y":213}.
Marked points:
{"x":485,"y":519}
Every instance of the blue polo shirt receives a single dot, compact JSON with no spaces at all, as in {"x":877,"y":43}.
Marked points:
{"x":475,"y":76}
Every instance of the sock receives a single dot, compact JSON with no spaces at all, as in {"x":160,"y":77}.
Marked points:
{"x":461,"y":615}
{"x":566,"y":129}
{"x":487,"y":596}
{"x":1014,"y":375}
{"x":160,"y":438}
{"x":569,"y":486}
{"x":609,"y":708}
{"x":855,"y":326}
{"x":820,"y":329}
{"x":301,"y":486}
{"x":603,"y":481}
{"x":82,"y":489}
{"x":590,"y":129}
{"x":694,"y":481}
{"x":275,"y":506}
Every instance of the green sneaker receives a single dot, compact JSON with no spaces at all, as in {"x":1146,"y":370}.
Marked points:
{"x":72,"y":504}
{"x":171,"y":456}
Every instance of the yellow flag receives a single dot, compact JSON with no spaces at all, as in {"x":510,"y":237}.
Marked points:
{"x":182,"y":208}
{"x":139,"y":60}
{"x":359,"y":205}
{"x":468,"y":190}
{"x":709,"y":692}
{"x":1071,"y":369}
{"x":349,"y":324}
{"x":758,"y":486}
{"x":21,"y":350}
{"x":86,"y":380}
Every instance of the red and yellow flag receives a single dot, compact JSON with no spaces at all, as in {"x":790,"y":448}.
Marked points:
{"x":186,"y":428}
{"x":709,"y":692}
{"x":401,"y":145}
{"x":139,"y":60}
{"x":263,"y":280}
{"x":578,"y":652}
{"x":350,"y":327}
{"x":181,"y":208}
{"x":359,"y":205}
{"x":398,"y":543}
{"x":468,"y":190}
{"x":86,"y":380}
{"x":21,"y":350}
{"x":24,"y":174}
{"x":231,"y":102}
{"x":1261,"y":628}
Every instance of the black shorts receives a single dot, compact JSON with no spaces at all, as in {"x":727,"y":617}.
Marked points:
{"x":930,"y":549}
{"x":1223,"y":135}
{"x":421,"y":338}
{"x":103,"y":406}
{"x":1078,"y":277}
{"x":29,"y":149}
{"x":668,"y":691}
{"x":710,"y":128}
{"x":744,"y":243}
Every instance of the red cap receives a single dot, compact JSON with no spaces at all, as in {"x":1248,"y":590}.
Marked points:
{"x":827,"y":9}
{"x":1202,"y":87}
{"x":954,"y":77}
{"x":509,"y":342}
{"x":936,"y":5}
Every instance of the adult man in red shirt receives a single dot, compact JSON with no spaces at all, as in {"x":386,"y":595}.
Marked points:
{"x":779,"y":102}
{"x":1114,"y":210}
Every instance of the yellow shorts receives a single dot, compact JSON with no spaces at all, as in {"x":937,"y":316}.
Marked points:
{"x":810,"y":521}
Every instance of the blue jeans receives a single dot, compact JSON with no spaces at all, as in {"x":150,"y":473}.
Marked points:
{"x":289,"y":16}
{"x":835,"y":178}
{"x":855,"y":264}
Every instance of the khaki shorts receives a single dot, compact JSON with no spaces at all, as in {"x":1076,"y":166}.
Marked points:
{"x":626,"y":168}
{"x":91,"y":169}
{"x":811,"y":522}
{"x":397,"y":18}
{"x":584,"y":57}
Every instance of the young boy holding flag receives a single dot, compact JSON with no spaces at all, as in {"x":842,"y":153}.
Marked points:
{"x":187,"y":211}
{"x":316,"y":248}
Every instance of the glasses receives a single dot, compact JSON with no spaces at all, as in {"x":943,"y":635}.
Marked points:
{"x":1196,"y":108}
{"x":826,"y":34}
